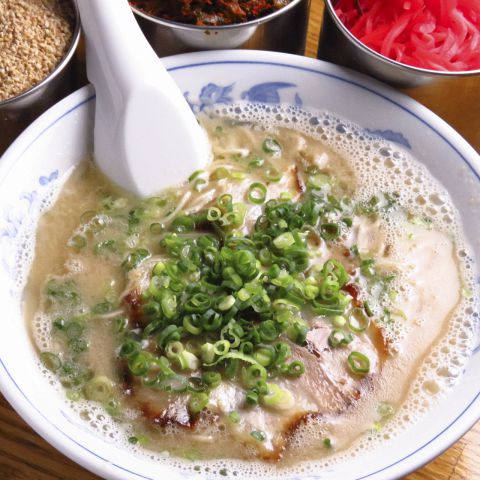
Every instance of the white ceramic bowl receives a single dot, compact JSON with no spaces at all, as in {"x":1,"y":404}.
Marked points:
{"x":63,"y":136}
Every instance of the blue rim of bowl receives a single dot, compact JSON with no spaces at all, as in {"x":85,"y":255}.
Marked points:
{"x":199,"y":28}
{"x":58,"y":68}
{"x":403,"y":66}
{"x":85,"y":91}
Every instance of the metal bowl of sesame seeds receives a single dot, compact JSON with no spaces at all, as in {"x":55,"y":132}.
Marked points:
{"x":38,"y":39}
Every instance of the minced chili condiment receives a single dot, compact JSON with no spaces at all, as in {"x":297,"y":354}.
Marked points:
{"x":209,"y":12}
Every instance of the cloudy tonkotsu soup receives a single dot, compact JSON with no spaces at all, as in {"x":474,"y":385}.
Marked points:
{"x":306,"y":296}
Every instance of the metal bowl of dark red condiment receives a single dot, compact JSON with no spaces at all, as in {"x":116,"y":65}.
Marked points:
{"x":178,"y":26}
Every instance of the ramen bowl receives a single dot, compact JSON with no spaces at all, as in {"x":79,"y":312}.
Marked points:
{"x":34,"y":165}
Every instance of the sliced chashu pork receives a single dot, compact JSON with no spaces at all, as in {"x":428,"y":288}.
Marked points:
{"x":327,"y":388}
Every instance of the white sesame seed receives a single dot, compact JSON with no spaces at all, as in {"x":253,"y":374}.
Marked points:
{"x":34,"y":37}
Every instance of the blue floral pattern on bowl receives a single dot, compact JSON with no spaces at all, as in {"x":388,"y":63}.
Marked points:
{"x":271,"y":93}
{"x":16,"y":218}
{"x":391,"y":136}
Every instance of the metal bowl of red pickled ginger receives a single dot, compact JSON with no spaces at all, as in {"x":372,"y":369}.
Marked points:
{"x":338,"y":45}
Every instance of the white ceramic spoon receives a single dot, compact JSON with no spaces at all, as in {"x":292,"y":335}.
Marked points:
{"x":146,"y":137}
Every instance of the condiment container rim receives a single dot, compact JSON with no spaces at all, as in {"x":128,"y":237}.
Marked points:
{"x":187,"y":26}
{"x":389,"y":61}
{"x":58,"y":68}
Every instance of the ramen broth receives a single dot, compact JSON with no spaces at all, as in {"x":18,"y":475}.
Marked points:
{"x":306,"y":296}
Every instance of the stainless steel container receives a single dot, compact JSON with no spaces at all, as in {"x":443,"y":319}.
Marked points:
{"x":283,"y":31}
{"x":18,"y":112}
{"x":338,"y":45}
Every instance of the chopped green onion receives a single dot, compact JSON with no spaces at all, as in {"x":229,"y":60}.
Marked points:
{"x":237,"y":175}
{"x":259,"y":436}
{"x":257,"y":193}
{"x":368,"y":309}
{"x":219,"y":173}
{"x":270,"y":145}
{"x":318,"y":181}
{"x":256,"y":162}
{"x":213,"y":214}
{"x":51,"y":361}
{"x":367,"y":267}
{"x":221,"y":347}
{"x":265,"y":355}
{"x":187,"y":361}
{"x":277,"y":398}
{"x":358,"y":363}
{"x":168,"y":303}
{"x":234,"y":417}
{"x":102,"y":308}
{"x":158,"y":268}
{"x":190,"y":324}
{"x":252,"y":398}
{"x":129,"y":348}
{"x":74,"y":329}
{"x":171,"y":333}
{"x":173,"y":349}
{"x":212,"y":379}
{"x":196,"y":384}
{"x":330,"y":231}
{"x":139,"y":363}
{"x":197,"y":402}
{"x":385,"y":410}
{"x":283,"y":352}
{"x":339,"y":321}
{"x":246,"y":348}
{"x":339,"y":338}
{"x":135,"y":258}
{"x":296,"y":368}
{"x":327,"y":443}
{"x":78,"y":241}
{"x":198,"y":303}
{"x":285,"y":240}
{"x":226,"y":303}
{"x":297,"y":332}
{"x":195,"y":175}
{"x":243,"y":295}
{"x":272,"y":174}
{"x":174,"y":383}
{"x":254,"y":374}
{"x":211,"y":320}
{"x":106,"y":245}
{"x":199,"y":184}
{"x":268,"y":331}
{"x":208,"y":353}
{"x":156,"y":228}
{"x":358,"y":321}
{"x":225,"y":202}
{"x":99,"y":389}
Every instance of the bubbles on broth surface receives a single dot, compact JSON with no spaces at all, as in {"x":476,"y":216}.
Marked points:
{"x":378,"y":165}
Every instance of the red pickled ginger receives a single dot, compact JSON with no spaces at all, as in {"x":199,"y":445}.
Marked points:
{"x":433,"y":34}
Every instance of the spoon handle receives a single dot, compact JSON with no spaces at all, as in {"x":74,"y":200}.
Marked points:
{"x":119,"y":57}
{"x":146,"y":136}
